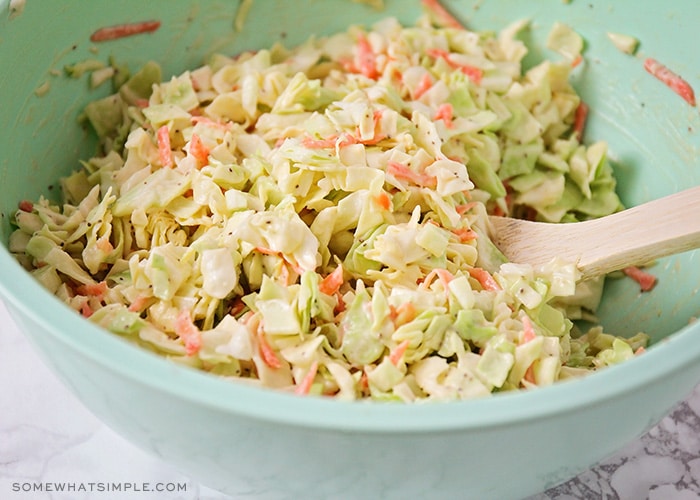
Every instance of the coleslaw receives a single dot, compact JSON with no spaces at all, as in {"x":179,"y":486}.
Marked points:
{"x":315,"y":219}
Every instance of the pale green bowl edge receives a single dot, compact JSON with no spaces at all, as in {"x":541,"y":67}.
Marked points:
{"x":672,"y":364}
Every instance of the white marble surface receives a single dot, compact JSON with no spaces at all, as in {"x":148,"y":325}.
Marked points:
{"x":47,"y":436}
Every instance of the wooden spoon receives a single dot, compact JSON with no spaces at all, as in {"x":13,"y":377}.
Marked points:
{"x":634,"y":236}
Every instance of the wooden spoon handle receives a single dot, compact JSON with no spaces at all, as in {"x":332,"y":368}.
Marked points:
{"x":637,"y":235}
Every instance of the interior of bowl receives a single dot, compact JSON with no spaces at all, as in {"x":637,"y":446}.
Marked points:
{"x":652,"y":133}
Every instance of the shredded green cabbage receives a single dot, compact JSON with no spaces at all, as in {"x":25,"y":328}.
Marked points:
{"x":315,"y":219}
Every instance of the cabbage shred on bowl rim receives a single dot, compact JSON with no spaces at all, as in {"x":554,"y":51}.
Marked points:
{"x":315,"y":219}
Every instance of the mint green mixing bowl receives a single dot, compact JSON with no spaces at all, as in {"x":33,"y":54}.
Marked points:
{"x":255,"y":443}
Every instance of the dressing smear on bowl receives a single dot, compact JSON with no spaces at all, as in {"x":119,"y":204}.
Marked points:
{"x":315,"y":219}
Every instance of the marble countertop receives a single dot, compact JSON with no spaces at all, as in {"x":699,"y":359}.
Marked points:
{"x":46,"y":435}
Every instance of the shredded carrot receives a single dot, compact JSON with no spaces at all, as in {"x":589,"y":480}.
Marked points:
{"x":403,"y":314}
{"x":377,"y":118}
{"x":364,"y":381}
{"x":462,"y":209}
{"x":484,"y":278}
{"x":401,"y":171}
{"x":138,"y":303}
{"x":340,"y":304}
{"x":266,"y":352}
{"x":237,"y":307}
{"x":342,"y":141}
{"x":646,"y":280}
{"x":104,"y":244}
{"x":210,"y":123}
{"x":383,"y":200}
{"x":345,"y":139}
{"x":577,"y":60}
{"x":266,"y":251}
{"x":348,"y":140}
{"x":442,"y":15}
{"x":93,"y":289}
{"x":528,"y":330}
{"x":396,"y":355}
{"x":291,"y":263}
{"x":438,"y":54}
{"x":25,"y":206}
{"x":530,"y":374}
{"x":310,"y":143}
{"x":199,"y":150}
{"x":366,"y":58}
{"x":331,"y":283}
{"x":423,"y":86}
{"x":188,"y":332}
{"x":640,"y":350}
{"x":528,"y":335}
{"x":442,"y":274}
{"x":142,"y":103}
{"x":465,"y":234}
{"x":580,"y":116}
{"x":164,"y":152}
{"x":86,"y":310}
{"x":305,"y":386}
{"x":376,"y":139}
{"x":444,"y":113}
{"x":124,"y":30}
{"x":475,"y":74}
{"x":294,"y":265}
{"x":672,"y":80}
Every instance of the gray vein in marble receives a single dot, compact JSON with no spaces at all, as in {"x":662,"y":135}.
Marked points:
{"x":664,"y":464}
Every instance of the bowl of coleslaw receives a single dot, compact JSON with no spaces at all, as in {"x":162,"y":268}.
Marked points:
{"x":253,"y":238}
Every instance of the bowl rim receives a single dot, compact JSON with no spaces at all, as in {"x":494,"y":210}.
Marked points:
{"x":21,"y":292}
{"x":137,"y":365}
